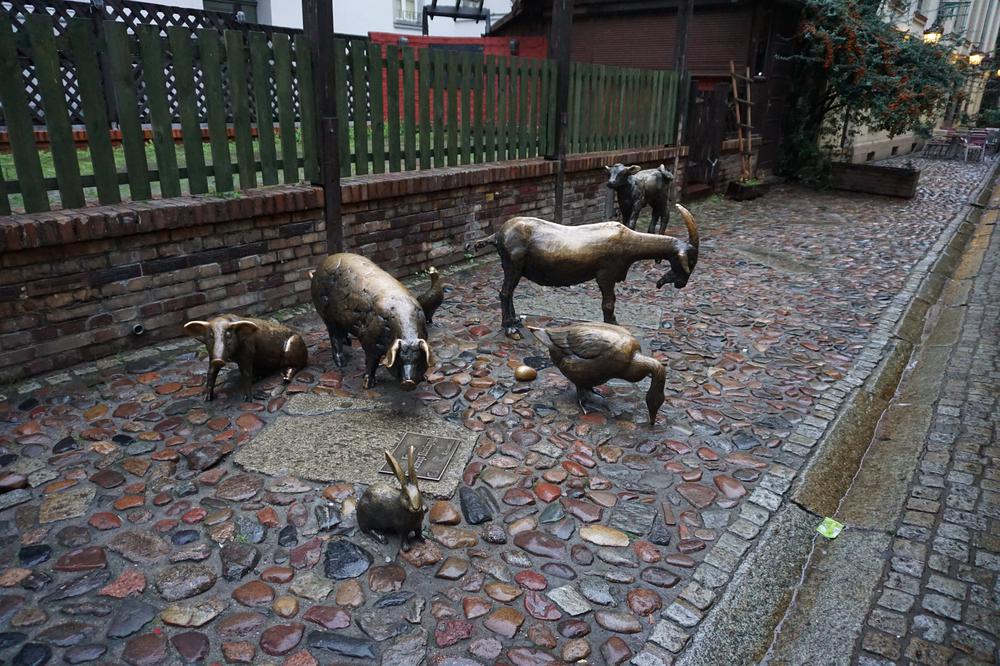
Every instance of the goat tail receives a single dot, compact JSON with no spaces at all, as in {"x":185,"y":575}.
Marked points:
{"x":666,"y":174}
{"x":481,"y":243}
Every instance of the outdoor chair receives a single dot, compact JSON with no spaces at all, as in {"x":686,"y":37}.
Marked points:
{"x":938,"y":146}
{"x":992,"y":140}
{"x":975,"y":144}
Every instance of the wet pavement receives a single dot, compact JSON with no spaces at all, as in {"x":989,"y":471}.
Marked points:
{"x":939,"y":590}
{"x":131,"y":535}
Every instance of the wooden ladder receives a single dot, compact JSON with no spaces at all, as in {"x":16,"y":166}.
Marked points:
{"x":744,"y":130}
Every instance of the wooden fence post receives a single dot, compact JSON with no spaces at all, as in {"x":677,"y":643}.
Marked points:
{"x":684,"y":12}
{"x":318,"y":20}
{"x":562,"y":22}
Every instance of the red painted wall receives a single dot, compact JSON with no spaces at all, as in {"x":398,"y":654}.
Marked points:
{"x":528,"y":47}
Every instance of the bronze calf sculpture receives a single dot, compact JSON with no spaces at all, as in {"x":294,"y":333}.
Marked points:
{"x":355,"y":297}
{"x":590,"y":354}
{"x":554,"y":255}
{"x":258,"y":346}
{"x":637,"y":188}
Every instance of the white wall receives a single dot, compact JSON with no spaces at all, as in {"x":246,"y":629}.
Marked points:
{"x":191,"y":4}
{"x":359,"y":17}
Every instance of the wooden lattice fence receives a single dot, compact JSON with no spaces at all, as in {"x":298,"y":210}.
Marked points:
{"x":135,"y":16}
{"x":162,"y":100}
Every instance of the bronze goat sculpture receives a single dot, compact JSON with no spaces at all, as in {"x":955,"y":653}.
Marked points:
{"x":554,"y":255}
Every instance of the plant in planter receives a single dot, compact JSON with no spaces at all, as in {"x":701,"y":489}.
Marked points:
{"x":745,"y":190}
{"x":850,"y":67}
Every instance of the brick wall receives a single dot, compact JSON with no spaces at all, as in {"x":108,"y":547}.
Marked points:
{"x":74,"y":284}
{"x":406,"y":222}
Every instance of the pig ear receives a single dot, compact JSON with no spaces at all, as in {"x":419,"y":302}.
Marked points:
{"x":197,"y":329}
{"x":635,"y":168}
{"x":427,"y":352}
{"x":396,"y":469}
{"x":390,"y":356}
{"x":244,"y":327}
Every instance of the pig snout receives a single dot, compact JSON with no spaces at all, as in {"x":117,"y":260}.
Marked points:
{"x":220,"y":352}
{"x":408,"y":377}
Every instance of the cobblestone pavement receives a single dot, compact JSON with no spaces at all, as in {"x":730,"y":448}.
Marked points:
{"x":939,"y":597}
{"x":129,"y":535}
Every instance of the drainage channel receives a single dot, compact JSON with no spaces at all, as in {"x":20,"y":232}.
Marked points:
{"x":933,"y":315}
{"x":871,"y":512}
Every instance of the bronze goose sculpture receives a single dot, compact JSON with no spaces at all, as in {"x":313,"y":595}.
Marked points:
{"x":589,"y":354}
{"x":431,"y":299}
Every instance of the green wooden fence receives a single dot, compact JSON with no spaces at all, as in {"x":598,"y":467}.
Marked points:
{"x":399,"y":109}
{"x":148,"y":161}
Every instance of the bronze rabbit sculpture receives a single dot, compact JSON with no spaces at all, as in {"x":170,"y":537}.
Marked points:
{"x":382,"y":508}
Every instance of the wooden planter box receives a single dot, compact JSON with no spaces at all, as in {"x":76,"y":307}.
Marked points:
{"x":743,"y":192}
{"x":887,"y":181}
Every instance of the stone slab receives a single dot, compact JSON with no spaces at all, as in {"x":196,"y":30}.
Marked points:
{"x":69,"y":504}
{"x":743,"y":621}
{"x":831,"y":604}
{"x":878,"y":492}
{"x":325,"y":438}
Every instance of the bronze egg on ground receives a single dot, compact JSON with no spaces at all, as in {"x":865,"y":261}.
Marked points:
{"x":525,"y":373}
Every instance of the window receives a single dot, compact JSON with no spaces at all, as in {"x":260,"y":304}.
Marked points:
{"x":405,"y":12}
{"x":248,"y":8}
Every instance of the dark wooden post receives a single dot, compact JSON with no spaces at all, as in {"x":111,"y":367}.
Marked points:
{"x":562,"y":22}
{"x":684,"y":12}
{"x":110,"y":101}
{"x":317,"y":16}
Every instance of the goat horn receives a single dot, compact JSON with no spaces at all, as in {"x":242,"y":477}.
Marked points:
{"x":689,"y":223}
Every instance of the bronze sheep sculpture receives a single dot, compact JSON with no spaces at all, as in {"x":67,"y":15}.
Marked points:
{"x":554,"y":255}
{"x":355,"y":297}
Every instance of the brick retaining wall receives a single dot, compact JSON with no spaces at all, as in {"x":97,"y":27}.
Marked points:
{"x":73,"y":284}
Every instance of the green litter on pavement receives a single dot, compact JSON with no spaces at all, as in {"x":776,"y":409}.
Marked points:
{"x":830,"y":528}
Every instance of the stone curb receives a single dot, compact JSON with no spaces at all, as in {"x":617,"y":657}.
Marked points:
{"x":879,"y":365}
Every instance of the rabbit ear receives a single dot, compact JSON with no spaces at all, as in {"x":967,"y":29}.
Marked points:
{"x":396,"y":469}
{"x":411,"y":468}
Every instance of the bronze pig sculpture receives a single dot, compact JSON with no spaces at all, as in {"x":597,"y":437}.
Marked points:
{"x":431,"y":299}
{"x":258,"y":346}
{"x":554,"y":255}
{"x":635,"y":188}
{"x":383,"y":508}
{"x":355,"y":297}
{"x":589,"y":354}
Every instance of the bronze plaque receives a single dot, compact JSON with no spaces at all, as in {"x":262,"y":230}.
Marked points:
{"x":431,"y":454}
